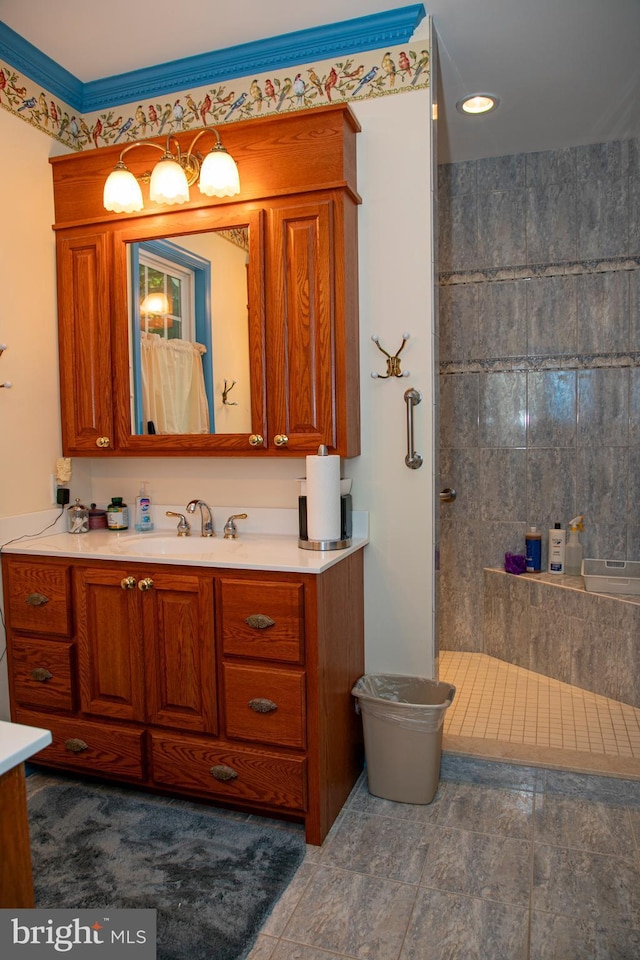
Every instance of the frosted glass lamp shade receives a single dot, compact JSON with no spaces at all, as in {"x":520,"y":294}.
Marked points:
{"x":122,"y":192}
{"x":168,"y":183}
{"x":219,"y":174}
{"x":155,"y":303}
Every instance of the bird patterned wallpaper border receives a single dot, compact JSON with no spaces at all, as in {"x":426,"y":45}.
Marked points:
{"x":374,"y":73}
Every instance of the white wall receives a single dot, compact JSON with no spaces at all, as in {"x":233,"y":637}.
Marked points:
{"x":394,"y":180}
{"x":29,"y":420}
{"x":396,"y":290}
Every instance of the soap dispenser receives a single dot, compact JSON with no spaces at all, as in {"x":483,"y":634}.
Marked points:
{"x":143,"y":518}
{"x":573,"y":550}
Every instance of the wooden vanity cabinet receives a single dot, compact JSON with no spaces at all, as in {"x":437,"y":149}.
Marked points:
{"x":231,"y":686}
{"x":145,"y":645}
{"x":298,"y":176}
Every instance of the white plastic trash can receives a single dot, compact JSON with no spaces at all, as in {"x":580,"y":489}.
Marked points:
{"x":402,"y":720}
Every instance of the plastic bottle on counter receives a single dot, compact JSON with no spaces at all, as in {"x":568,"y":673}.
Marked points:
{"x":573,"y":551}
{"x":557,"y":538}
{"x":143,"y":520}
{"x":533,"y":550}
{"x":117,"y":515}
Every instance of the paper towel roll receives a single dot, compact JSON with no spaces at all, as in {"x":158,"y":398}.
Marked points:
{"x":323,"y":498}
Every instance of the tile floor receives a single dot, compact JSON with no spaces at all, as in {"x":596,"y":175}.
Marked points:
{"x":524,"y":853}
{"x":507,"y":863}
{"x":505,"y":712}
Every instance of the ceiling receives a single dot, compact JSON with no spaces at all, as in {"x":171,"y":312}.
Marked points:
{"x":567,"y":71}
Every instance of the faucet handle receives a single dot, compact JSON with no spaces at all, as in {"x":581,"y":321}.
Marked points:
{"x":184,"y":527}
{"x":230,"y":529}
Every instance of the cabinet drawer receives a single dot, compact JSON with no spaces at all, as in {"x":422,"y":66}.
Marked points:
{"x":255,"y":776}
{"x":262,"y":619}
{"x":265,"y":704}
{"x":96,"y":748}
{"x":42,"y":673}
{"x":38,"y":597}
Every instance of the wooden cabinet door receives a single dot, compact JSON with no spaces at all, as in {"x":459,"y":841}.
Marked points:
{"x":300,"y":326}
{"x":84,"y":331}
{"x":109,"y":639}
{"x":177,"y":613}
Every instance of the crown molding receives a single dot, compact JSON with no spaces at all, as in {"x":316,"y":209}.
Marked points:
{"x":26,"y":58}
{"x":349,"y":37}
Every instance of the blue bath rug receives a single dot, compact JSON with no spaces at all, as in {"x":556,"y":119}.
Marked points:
{"x":212,"y":878}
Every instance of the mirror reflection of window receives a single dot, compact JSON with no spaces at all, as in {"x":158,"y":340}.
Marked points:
{"x":166,"y":293}
{"x":192,"y":290}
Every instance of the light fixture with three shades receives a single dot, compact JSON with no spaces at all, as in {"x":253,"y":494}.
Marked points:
{"x":170,"y":179}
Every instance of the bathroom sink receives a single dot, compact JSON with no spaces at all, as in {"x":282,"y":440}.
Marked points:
{"x":151,"y":545}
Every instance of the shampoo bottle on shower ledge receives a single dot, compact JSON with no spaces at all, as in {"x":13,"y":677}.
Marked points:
{"x":533,"y":550}
{"x":557,"y":538}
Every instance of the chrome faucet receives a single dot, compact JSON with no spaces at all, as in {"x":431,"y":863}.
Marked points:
{"x":184,"y":527}
{"x":206,"y":517}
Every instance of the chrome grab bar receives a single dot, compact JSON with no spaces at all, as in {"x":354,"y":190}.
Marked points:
{"x":412,"y":398}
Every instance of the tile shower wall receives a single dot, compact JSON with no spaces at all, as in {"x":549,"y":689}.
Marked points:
{"x":539,"y":361}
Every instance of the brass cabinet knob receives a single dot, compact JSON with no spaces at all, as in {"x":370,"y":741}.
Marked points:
{"x":223,"y":773}
{"x":128,"y":583}
{"x":145,"y":584}
{"x":103,"y":442}
{"x":281,"y":440}
{"x":256,"y":440}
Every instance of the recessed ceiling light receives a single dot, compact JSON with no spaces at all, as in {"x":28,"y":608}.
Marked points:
{"x":478,"y":103}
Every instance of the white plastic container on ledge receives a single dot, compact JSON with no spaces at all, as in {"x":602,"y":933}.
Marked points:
{"x":612,"y":576}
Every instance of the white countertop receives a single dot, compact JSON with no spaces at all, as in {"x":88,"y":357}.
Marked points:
{"x":18,"y":743}
{"x":259,"y":550}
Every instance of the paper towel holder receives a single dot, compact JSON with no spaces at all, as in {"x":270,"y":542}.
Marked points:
{"x":324,"y":544}
{"x":305,"y":543}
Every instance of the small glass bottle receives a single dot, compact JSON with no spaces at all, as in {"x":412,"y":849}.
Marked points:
{"x":78,"y":518}
{"x":117,"y":515}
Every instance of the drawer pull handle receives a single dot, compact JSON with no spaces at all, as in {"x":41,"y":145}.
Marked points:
{"x":75,"y":745}
{"x":36,"y":600}
{"x":145,"y":584}
{"x":224,"y":773}
{"x":259,"y":621}
{"x":262,"y":705}
{"x":128,"y":583}
{"x":41,"y":674}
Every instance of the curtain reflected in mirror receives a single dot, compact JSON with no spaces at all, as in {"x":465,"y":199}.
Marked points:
{"x":190,"y":334}
{"x":174,"y":398}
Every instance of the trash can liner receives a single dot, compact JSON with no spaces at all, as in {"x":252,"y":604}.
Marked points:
{"x":410,"y":696}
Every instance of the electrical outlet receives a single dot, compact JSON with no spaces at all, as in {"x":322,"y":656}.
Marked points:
{"x":54,"y":489}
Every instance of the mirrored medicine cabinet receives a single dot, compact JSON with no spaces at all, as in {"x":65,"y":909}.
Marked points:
{"x":219,"y":327}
